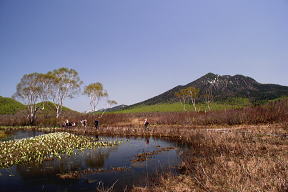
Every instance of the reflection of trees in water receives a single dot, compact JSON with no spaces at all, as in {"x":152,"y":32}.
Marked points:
{"x":83,"y":160}
{"x":96,"y":159}
{"x":46,"y":169}
{"x":19,"y":134}
{"x":46,"y":173}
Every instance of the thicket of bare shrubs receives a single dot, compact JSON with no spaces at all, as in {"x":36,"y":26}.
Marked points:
{"x":273,"y":112}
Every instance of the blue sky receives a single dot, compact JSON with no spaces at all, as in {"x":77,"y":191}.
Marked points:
{"x":141,"y":48}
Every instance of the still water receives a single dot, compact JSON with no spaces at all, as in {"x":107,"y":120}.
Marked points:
{"x":118,"y":167}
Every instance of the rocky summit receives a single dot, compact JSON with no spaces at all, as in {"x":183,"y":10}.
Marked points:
{"x":222,"y":87}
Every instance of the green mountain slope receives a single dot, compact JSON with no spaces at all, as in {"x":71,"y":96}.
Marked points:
{"x":50,"y":108}
{"x":10,"y":106}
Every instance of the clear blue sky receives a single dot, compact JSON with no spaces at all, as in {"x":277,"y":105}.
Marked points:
{"x":141,"y":48}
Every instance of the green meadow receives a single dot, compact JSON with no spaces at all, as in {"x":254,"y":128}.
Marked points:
{"x":233,"y":103}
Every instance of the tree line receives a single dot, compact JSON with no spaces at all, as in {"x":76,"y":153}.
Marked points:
{"x":56,"y":86}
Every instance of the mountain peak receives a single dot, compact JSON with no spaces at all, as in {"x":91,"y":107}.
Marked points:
{"x":223,"y":87}
{"x":210,"y":75}
{"x":224,"y":80}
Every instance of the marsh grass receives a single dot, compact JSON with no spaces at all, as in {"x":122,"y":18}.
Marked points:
{"x":248,"y":153}
{"x":271,"y":112}
{"x":230,"y":161}
{"x":238,"y":158}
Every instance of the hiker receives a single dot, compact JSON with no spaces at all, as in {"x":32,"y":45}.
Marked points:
{"x":146,"y":123}
{"x":83,"y":122}
{"x":64,"y":123}
{"x":67,"y":123}
{"x":96,"y":124}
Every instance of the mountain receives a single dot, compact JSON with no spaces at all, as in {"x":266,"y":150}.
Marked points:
{"x":50,"y":108}
{"x":10,"y":106}
{"x":116,"y":108}
{"x":222,"y":88}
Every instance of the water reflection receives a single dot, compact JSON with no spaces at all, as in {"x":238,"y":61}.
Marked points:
{"x":97,"y":159}
{"x":79,"y":161}
{"x":12,"y":135}
{"x":45,"y":177}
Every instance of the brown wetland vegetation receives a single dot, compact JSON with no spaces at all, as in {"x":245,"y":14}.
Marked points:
{"x":230,"y":150}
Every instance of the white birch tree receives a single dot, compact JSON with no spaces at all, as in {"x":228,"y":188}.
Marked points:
{"x":192,"y":93}
{"x":208,"y":96}
{"x":182,"y":96}
{"x":30,"y":91}
{"x":186,"y":94}
{"x":64,"y":83}
{"x":95,"y":92}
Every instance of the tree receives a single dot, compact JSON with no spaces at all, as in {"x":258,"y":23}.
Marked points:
{"x":183,"y":97}
{"x":46,"y":83}
{"x":110,"y":103}
{"x":30,"y":91}
{"x":95,"y":92}
{"x":192,"y":93}
{"x":208,"y":96}
{"x":186,"y":94}
{"x":63,"y":83}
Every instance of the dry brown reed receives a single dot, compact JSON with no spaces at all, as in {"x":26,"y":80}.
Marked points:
{"x":273,"y":112}
{"x":249,"y":156}
{"x":230,"y":161}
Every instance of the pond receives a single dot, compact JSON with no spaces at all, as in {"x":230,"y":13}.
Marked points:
{"x":133,"y":162}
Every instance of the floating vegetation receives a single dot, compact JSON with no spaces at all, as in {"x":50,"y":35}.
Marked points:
{"x":148,"y":155}
{"x":79,"y":174}
{"x":46,"y":147}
